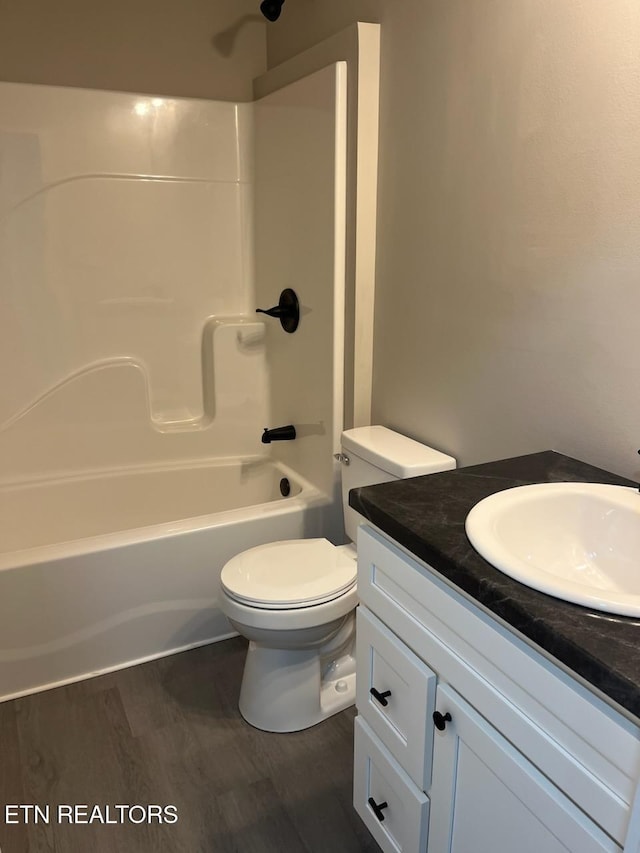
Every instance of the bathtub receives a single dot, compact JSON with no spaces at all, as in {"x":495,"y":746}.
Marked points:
{"x":102,"y":572}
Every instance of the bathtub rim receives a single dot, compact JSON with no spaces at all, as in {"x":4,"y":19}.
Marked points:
{"x":309,"y":495}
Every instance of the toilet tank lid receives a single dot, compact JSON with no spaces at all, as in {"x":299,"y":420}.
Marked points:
{"x":394,"y":453}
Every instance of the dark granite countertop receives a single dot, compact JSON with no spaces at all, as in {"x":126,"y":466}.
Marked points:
{"x":426,"y":515}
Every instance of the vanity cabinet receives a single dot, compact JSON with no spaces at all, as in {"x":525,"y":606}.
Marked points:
{"x":468,"y":738}
{"x":488,"y":798}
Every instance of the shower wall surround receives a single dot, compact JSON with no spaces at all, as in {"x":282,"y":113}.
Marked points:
{"x":300,"y":154}
{"x":125,"y":264}
{"x":136,"y":376}
{"x":137,"y":236}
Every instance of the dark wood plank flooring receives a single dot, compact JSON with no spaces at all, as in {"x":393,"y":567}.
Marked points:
{"x":169,"y":733}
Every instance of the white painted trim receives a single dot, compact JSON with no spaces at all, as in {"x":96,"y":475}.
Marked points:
{"x":339,"y":252}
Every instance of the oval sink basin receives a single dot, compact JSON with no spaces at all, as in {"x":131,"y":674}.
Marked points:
{"x":575,"y":541}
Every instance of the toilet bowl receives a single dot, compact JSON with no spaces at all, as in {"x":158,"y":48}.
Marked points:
{"x":295,"y":603}
{"x":295,"y":600}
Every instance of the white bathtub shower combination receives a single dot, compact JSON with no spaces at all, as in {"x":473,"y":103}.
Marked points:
{"x":97,"y":572}
{"x":137,"y":379}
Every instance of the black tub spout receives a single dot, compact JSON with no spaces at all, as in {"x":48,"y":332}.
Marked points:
{"x":285,"y":433}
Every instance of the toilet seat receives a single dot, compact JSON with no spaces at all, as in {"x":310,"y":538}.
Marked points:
{"x":287,"y":575}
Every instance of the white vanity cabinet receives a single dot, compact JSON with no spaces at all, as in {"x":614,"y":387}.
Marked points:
{"x":468,"y":739}
{"x":488,"y":798}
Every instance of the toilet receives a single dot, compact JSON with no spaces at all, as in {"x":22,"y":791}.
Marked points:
{"x":295,"y":600}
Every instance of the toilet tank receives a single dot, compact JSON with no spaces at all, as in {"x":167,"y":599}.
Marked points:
{"x":377,"y":455}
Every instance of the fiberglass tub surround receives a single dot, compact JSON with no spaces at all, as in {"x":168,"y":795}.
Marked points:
{"x":141,"y":378}
{"x":123,"y":222}
{"x":130,"y":228}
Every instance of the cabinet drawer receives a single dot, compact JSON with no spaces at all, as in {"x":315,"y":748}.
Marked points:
{"x":590,"y":751}
{"x":395,"y":693}
{"x":401,"y":822}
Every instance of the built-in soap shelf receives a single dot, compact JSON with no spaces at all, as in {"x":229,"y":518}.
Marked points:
{"x":237,"y":342}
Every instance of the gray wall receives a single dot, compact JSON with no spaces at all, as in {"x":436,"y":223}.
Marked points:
{"x":508,"y":265}
{"x":194,"y":48}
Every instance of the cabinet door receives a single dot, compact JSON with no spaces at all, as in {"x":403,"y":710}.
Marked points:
{"x":486,"y":797}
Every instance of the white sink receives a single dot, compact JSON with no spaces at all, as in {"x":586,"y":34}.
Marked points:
{"x":576,"y":541}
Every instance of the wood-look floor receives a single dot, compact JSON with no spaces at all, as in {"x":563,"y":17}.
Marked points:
{"x":169,"y":732}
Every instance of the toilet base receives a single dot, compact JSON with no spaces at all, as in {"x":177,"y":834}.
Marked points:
{"x":287,"y":690}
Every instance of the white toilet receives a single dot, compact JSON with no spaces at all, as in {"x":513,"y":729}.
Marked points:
{"x":295,"y":600}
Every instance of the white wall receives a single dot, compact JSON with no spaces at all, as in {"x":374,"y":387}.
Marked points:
{"x":125,"y":223}
{"x":194,"y":48}
{"x":299,"y":243}
{"x":508,"y":244}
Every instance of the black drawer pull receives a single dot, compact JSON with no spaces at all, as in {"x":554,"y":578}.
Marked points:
{"x":441,"y":720}
{"x":381,"y":697}
{"x":377,"y":809}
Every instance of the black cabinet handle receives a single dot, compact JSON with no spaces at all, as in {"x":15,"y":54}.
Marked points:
{"x":381,"y":697}
{"x":441,"y":720}
{"x":377,"y":808}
